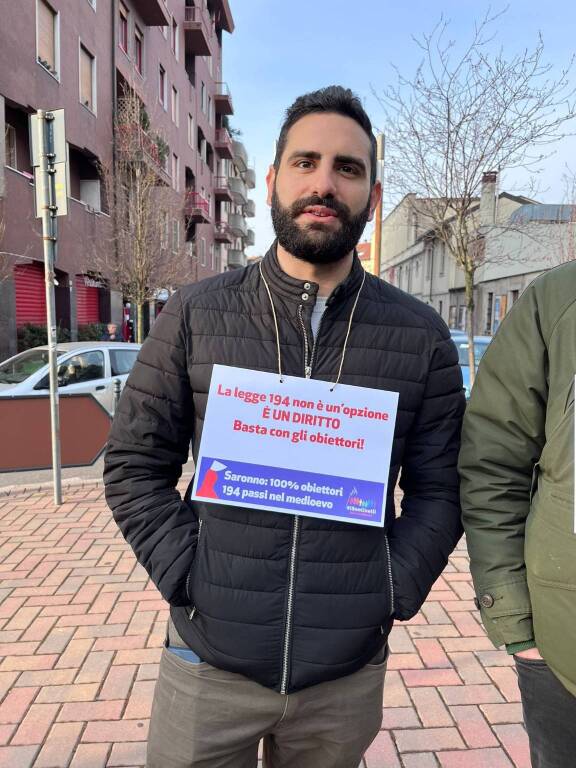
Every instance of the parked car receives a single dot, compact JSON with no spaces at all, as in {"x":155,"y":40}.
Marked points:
{"x":480,"y":346}
{"x":83,"y":367}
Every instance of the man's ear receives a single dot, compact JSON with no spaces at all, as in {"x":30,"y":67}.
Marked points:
{"x":270,"y":179}
{"x":375,"y":196}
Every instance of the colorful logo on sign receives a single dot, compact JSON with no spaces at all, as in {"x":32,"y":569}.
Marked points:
{"x":208,"y":487}
{"x":359,"y":506}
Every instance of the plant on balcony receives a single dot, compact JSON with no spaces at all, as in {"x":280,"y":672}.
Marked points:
{"x":144,"y":119}
{"x":163,"y":150}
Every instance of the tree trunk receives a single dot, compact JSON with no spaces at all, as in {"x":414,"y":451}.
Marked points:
{"x":140,"y":322}
{"x":469,"y":283}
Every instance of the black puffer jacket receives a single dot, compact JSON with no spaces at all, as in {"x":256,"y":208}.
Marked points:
{"x":288,"y":601}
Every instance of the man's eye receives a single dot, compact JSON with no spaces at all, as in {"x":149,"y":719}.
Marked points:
{"x":349,"y":169}
{"x":304,"y":164}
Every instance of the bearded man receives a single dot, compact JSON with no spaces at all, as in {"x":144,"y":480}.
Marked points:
{"x":279,"y":622}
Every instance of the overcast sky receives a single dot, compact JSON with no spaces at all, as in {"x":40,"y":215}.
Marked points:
{"x":282,"y":49}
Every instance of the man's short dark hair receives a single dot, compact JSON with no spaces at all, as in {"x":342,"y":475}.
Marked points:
{"x":334,"y":99}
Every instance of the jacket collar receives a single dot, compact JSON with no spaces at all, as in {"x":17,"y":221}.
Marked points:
{"x":292,"y":289}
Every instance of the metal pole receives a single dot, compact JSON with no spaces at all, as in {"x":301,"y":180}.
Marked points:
{"x":46,"y":180}
{"x":378,"y":213}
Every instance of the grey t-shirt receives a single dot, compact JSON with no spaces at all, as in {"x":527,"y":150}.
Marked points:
{"x":317,"y":313}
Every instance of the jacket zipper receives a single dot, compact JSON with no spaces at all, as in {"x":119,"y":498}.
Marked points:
{"x":295,"y":528}
{"x":193,"y":611}
{"x":390,"y":578}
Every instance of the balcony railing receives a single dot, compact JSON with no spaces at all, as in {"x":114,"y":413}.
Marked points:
{"x":223,"y":144}
{"x":137,"y":144}
{"x":197,"y":207}
{"x":236,"y":258}
{"x":250,"y":208}
{"x":250,"y":177}
{"x":222,"y":232}
{"x":223,"y":99}
{"x":153,"y":13}
{"x":237,"y":225}
{"x":238,"y":190}
{"x":197,"y":31}
{"x":222,"y":189}
{"x":250,"y":238}
{"x":240,"y":156}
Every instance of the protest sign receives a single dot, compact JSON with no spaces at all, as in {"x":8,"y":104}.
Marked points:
{"x":299,"y":446}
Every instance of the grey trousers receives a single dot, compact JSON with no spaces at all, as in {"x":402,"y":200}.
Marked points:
{"x":203,"y":717}
{"x":549,"y":715}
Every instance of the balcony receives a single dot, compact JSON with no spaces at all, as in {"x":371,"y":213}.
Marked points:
{"x":250,"y":177}
{"x":223,"y":100}
{"x":238,"y":190}
{"x":152,"y":12}
{"x":197,"y":32}
{"x":236,"y":258}
{"x":237,"y":224}
{"x":137,"y":145}
{"x":250,"y":238}
{"x":222,"y":189}
{"x":240,"y":156}
{"x":197,"y":207}
{"x":223,"y":233}
{"x":250,"y":208}
{"x":223,"y":144}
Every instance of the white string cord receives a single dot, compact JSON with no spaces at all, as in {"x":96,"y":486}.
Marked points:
{"x":333,"y":387}
{"x":275,"y":323}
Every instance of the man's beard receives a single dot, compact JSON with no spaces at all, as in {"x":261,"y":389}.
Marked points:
{"x":316,"y":243}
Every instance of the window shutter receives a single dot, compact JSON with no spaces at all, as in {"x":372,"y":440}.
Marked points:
{"x":46,"y":36}
{"x":86,"y":63}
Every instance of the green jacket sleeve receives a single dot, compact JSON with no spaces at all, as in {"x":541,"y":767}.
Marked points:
{"x":502,"y":439}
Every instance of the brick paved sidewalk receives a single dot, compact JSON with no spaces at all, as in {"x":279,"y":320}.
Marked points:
{"x":81,"y":630}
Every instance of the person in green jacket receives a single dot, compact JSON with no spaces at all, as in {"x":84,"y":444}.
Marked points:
{"x":517,"y":491}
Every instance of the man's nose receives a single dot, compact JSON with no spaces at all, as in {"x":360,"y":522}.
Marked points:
{"x":324,"y":183}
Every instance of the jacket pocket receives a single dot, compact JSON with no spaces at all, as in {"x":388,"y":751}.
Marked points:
{"x":194,"y":561}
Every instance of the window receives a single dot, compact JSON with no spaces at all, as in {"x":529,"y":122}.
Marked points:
{"x":175,"y":172}
{"x":87,"y":79}
{"x":210,"y":110}
{"x":175,"y":105}
{"x":442,"y":269}
{"x":440,"y":307}
{"x":47,"y":37}
{"x":190,"y":130}
{"x":138,"y":50}
{"x":515,"y":295}
{"x":489,"y":305}
{"x":122,"y":361}
{"x":123,"y":27}
{"x":175,"y":235}
{"x":203,"y":98}
{"x":174,"y":37}
{"x":428,"y":263}
{"x":85,"y":367}
{"x":203,"y":251}
{"x":162,"y":86}
{"x":212,"y":256}
{"x":11,"y":157}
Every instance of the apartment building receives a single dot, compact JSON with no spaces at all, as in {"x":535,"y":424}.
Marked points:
{"x":93,"y":58}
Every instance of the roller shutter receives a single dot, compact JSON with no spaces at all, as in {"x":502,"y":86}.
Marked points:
{"x":87,"y":302}
{"x":30,"y":294}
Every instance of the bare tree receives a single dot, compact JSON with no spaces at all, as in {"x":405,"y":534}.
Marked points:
{"x":8,"y":259}
{"x":147,"y":252}
{"x":462,"y":115}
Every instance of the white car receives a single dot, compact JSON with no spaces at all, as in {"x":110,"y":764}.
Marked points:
{"x":83,"y":367}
